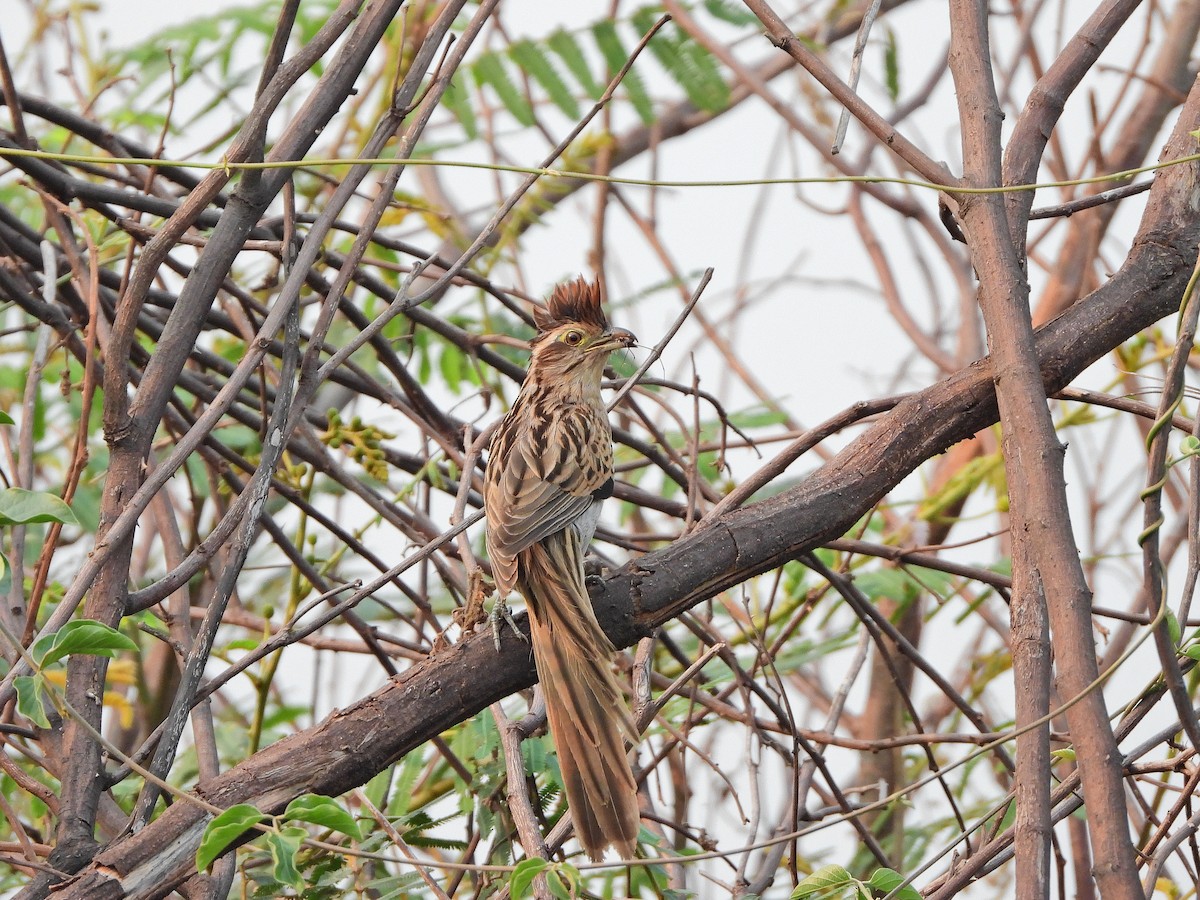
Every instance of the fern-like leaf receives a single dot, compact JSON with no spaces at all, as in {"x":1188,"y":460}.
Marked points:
{"x":733,"y":13}
{"x":615,"y":56}
{"x":458,"y":101}
{"x":564,"y":44}
{"x":891,"y":65}
{"x":692,"y":67}
{"x":489,"y":70}
{"x":530,"y":57}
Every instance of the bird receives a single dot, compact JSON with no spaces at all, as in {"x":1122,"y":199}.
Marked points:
{"x":549,"y":469}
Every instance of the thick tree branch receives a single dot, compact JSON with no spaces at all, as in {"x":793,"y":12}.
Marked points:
{"x":1045,"y":555}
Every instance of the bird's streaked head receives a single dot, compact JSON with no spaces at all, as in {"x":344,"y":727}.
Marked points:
{"x":574,"y":337}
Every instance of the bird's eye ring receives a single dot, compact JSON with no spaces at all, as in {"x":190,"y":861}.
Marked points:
{"x":573,"y":338}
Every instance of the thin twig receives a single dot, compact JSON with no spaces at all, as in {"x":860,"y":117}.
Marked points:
{"x":657,"y":350}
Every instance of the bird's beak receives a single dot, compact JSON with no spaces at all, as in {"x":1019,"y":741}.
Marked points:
{"x":616,"y":338}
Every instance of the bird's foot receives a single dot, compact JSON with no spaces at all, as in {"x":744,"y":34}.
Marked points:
{"x":498,"y":616}
{"x":595,"y":569}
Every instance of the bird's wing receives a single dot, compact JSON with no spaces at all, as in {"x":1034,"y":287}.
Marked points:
{"x":547,"y":477}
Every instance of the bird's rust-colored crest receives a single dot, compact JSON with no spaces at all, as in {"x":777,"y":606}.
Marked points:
{"x":574,"y":301}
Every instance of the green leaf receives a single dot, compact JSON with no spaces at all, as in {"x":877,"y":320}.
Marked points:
{"x":827,"y":881}
{"x":244,"y":644}
{"x":29,"y":699}
{"x":1192,"y":652}
{"x":564,"y":44}
{"x":284,"y":845}
{"x":223,"y":831}
{"x":522,"y":877}
{"x":887,"y":880}
{"x":451,"y":363}
{"x":83,"y":636}
{"x":489,"y":70}
{"x":981,"y":471}
{"x":702,"y":81}
{"x":323,"y":811}
{"x":564,"y":881}
{"x":733,"y":13}
{"x":895,"y":584}
{"x":403,"y":792}
{"x":557,"y":886}
{"x":478,"y":738}
{"x":21,"y":507}
{"x":395,"y":887}
{"x":891,"y":67}
{"x":615,"y":56}
{"x":378,"y":788}
{"x":756,"y":417}
{"x":530,"y":57}
{"x":1173,"y":628}
{"x":692,"y":67}
{"x":458,"y":100}
{"x":533,"y":756}
{"x":6,"y":419}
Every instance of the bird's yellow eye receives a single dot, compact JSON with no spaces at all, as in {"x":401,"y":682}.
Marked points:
{"x":573,"y":338}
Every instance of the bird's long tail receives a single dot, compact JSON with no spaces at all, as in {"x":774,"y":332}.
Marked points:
{"x":588,"y":717}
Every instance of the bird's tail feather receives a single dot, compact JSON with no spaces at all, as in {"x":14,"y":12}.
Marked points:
{"x":588,"y":717}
